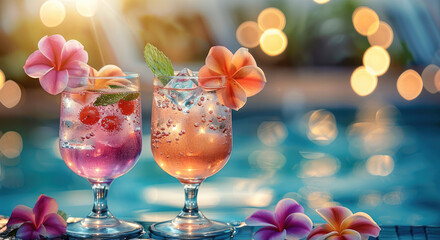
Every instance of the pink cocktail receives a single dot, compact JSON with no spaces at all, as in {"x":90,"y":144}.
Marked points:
{"x":100,"y":140}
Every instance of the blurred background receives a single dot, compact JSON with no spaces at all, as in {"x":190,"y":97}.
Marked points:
{"x":349,"y":116}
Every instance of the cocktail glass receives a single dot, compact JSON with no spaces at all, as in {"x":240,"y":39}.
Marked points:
{"x":191,"y":139}
{"x":100,"y":140}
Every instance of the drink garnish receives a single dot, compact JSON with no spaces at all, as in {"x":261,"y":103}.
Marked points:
{"x":243,"y":78}
{"x":158,"y":63}
{"x":89,"y":115}
{"x":112,"y":98}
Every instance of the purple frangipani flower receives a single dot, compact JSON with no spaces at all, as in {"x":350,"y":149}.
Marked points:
{"x":287,"y":222}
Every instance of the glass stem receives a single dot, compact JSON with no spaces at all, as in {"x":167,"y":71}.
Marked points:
{"x":191,"y":191}
{"x":100,"y":207}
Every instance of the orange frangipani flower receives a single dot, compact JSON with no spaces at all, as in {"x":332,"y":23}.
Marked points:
{"x":243,"y":78}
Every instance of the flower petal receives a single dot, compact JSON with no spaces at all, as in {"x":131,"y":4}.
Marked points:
{"x":269,"y":233}
{"x":345,"y":235}
{"x":72,"y":52}
{"x":251,"y":79}
{"x":27,"y":231}
{"x":21,"y":214}
{"x":321,"y":232}
{"x":241,"y":58}
{"x":37,"y":65}
{"x":45,"y":205}
{"x":298,"y":225}
{"x":262,"y":218}
{"x":52,"y":47}
{"x":54,"y":81}
{"x":219,"y":60}
{"x":362,"y":223}
{"x":55,"y":225}
{"x":93,"y":72}
{"x":286,"y":207}
{"x":110,"y":71}
{"x":334,"y":215}
{"x":78,"y":69}
{"x":232,"y":96}
{"x":209,"y":79}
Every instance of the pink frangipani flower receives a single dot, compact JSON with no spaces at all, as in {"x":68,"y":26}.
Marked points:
{"x":55,"y":61}
{"x":287,"y":222}
{"x":42,"y":220}
{"x":342,"y":224}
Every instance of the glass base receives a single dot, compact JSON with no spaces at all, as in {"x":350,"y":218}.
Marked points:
{"x":213,"y":230}
{"x":118,"y":230}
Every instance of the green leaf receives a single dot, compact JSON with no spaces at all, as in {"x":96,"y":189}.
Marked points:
{"x":62,"y":214}
{"x":115,"y":86}
{"x":112,"y":98}
{"x":159,"y":64}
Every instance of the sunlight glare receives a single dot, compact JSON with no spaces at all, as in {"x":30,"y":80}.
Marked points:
{"x":87,"y":8}
{"x":52,"y":13}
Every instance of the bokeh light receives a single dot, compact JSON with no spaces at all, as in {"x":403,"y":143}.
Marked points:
{"x":322,"y":127}
{"x":437,"y":80}
{"x":273,"y":42}
{"x":267,"y":160}
{"x":428,"y":77}
{"x":10,"y":94}
{"x":380,"y":165}
{"x":272,"y":133}
{"x":409,"y":84}
{"x":383,"y":37}
{"x":363,"y":82}
{"x":52,"y":13}
{"x":376,"y":60}
{"x":248,"y":34}
{"x":365,"y":21}
{"x":2,"y":79}
{"x":318,"y":165}
{"x":271,"y":18}
{"x":87,"y":8}
{"x":11,"y":144}
{"x":321,"y":1}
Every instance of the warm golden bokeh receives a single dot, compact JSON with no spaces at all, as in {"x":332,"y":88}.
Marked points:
{"x":409,"y":84}
{"x":365,"y":21}
{"x":321,"y":1}
{"x":273,"y":42}
{"x":248,"y":34}
{"x":272,"y":133}
{"x":11,"y":144}
{"x":428,"y":77}
{"x":322,"y":127}
{"x":2,"y":79}
{"x":383,"y":37}
{"x":376,"y":60}
{"x":87,"y":8}
{"x":437,"y":80}
{"x":363,"y":82}
{"x":10,"y":94}
{"x":52,"y":13}
{"x":380,"y":165}
{"x":271,"y":18}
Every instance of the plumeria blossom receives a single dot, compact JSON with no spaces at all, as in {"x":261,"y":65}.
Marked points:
{"x":42,"y":220}
{"x":56,"y":60}
{"x":342,"y":224}
{"x":113,"y":72}
{"x":287,"y":222}
{"x":243,"y":78}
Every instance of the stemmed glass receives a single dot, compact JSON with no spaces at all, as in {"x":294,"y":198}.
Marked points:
{"x":100,"y":140}
{"x":191,"y":139}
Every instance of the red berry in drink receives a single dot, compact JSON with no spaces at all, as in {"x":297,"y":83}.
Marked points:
{"x":89,"y":115}
{"x":111,"y":123}
{"x":126,"y":107}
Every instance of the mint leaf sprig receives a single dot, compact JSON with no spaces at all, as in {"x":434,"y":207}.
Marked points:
{"x":112,"y":98}
{"x":159,"y":64}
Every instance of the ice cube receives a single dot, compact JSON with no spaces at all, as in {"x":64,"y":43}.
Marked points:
{"x":186,"y":93}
